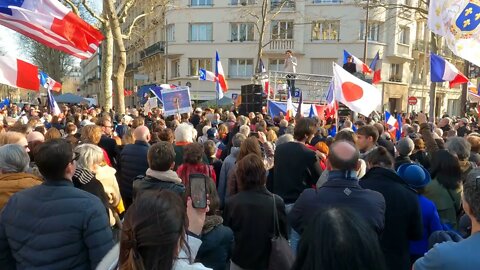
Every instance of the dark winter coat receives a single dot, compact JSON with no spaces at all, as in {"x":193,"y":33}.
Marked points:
{"x":53,"y":226}
{"x":133,"y":162}
{"x":250,"y":216}
{"x":403,"y":219}
{"x":339,"y":191}
{"x":217,"y":243}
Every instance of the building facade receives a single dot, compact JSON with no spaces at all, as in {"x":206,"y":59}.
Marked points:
{"x":172,"y":43}
{"x":90,"y":80}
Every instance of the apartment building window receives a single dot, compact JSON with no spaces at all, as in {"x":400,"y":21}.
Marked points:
{"x":282,"y":4}
{"x":404,"y":35}
{"x":198,"y":63}
{"x":326,"y":1}
{"x":171,"y":32}
{"x":240,"y":68}
{"x":395,"y":73}
{"x":276,"y":64}
{"x":322,"y":66}
{"x":201,"y":32}
{"x":326,"y":30}
{"x":242,"y":31}
{"x":242,"y":2}
{"x":176,"y":68}
{"x":199,"y":3}
{"x":374,"y":29}
{"x":282,"y":30}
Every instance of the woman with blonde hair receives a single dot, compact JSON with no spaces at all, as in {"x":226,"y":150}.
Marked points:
{"x":92,"y":175}
{"x":13,"y":137}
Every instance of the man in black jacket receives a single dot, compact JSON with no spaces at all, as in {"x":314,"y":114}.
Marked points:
{"x":296,"y":166}
{"x":403,"y":220}
{"x":341,"y":189}
{"x":54,"y":225}
{"x":133,"y":162}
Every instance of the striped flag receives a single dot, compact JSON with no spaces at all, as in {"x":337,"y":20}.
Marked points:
{"x":52,"y":24}
{"x":377,"y":72}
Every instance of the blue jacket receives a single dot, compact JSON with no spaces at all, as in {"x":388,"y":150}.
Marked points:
{"x":431,"y":223}
{"x":133,"y":162}
{"x":53,"y":226}
{"x":216,"y":249}
{"x":452,"y":255}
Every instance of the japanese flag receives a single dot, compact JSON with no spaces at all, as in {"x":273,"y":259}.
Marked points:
{"x":359,"y":96}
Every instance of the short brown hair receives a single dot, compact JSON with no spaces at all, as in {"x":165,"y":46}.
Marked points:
{"x":70,"y":128}
{"x":380,"y":157}
{"x":166,"y":135}
{"x":193,"y":153}
{"x":368,"y":131}
{"x":91,"y":134}
{"x":419,"y":143}
{"x":209,"y":148}
{"x":474,"y":142}
{"x":251,"y":172}
{"x":52,"y":133}
{"x":304,"y":128}
{"x":161,"y":156}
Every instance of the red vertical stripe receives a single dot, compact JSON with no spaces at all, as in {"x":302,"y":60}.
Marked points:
{"x":459,"y":79}
{"x":27,"y":76}
{"x":77,"y":31}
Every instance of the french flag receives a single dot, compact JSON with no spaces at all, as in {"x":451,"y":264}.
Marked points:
{"x":332,"y":104}
{"x":264,"y":80}
{"x":54,"y":109}
{"x":49,"y":83}
{"x":51,"y":23}
{"x":290,"y":109}
{"x":222,"y":86}
{"x":391,"y":122}
{"x":377,"y":71}
{"x":443,"y":71}
{"x":18,"y":73}
{"x":361,"y":67}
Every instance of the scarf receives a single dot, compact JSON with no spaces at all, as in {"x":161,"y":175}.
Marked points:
{"x":168,"y":176}
{"x":211,"y":222}
{"x":83,"y":176}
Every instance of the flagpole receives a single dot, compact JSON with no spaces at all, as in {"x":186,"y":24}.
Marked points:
{"x":336,"y":118}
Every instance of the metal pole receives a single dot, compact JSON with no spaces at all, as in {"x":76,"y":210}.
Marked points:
{"x":463,"y":98}
{"x":365,"y":41}
{"x":425,"y":63}
{"x":433,"y":85}
{"x":166,"y":49}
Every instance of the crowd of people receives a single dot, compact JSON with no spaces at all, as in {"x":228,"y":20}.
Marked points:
{"x":88,"y":189}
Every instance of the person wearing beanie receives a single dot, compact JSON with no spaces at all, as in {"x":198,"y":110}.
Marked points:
{"x":417,"y":178}
{"x":404,"y":149}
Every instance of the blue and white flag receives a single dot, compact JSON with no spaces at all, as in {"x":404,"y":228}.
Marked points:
{"x":54,"y":109}
{"x":205,"y":75}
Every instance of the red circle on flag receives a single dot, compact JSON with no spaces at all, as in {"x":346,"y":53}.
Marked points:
{"x":351,"y":92}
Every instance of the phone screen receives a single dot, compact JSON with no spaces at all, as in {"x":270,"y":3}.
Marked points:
{"x":198,"y":190}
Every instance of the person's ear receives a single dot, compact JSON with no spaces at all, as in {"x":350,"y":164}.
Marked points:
{"x":172,"y":166}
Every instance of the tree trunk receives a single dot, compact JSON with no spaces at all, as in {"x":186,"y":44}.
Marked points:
{"x":107,"y":68}
{"x":119,"y":75}
{"x":261,"y":34}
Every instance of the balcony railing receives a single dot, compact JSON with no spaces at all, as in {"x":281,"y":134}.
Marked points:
{"x":283,"y":4}
{"x":242,"y":2}
{"x":395,"y":78}
{"x":282,"y":44}
{"x":158,"y":47}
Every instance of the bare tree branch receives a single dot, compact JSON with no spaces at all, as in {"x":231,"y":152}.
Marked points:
{"x":92,"y":13}
{"x":73,"y":7}
{"x":129,"y":33}
{"x":124,"y":12}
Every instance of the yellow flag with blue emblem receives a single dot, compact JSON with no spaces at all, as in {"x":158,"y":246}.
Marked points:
{"x":458,"y":22}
